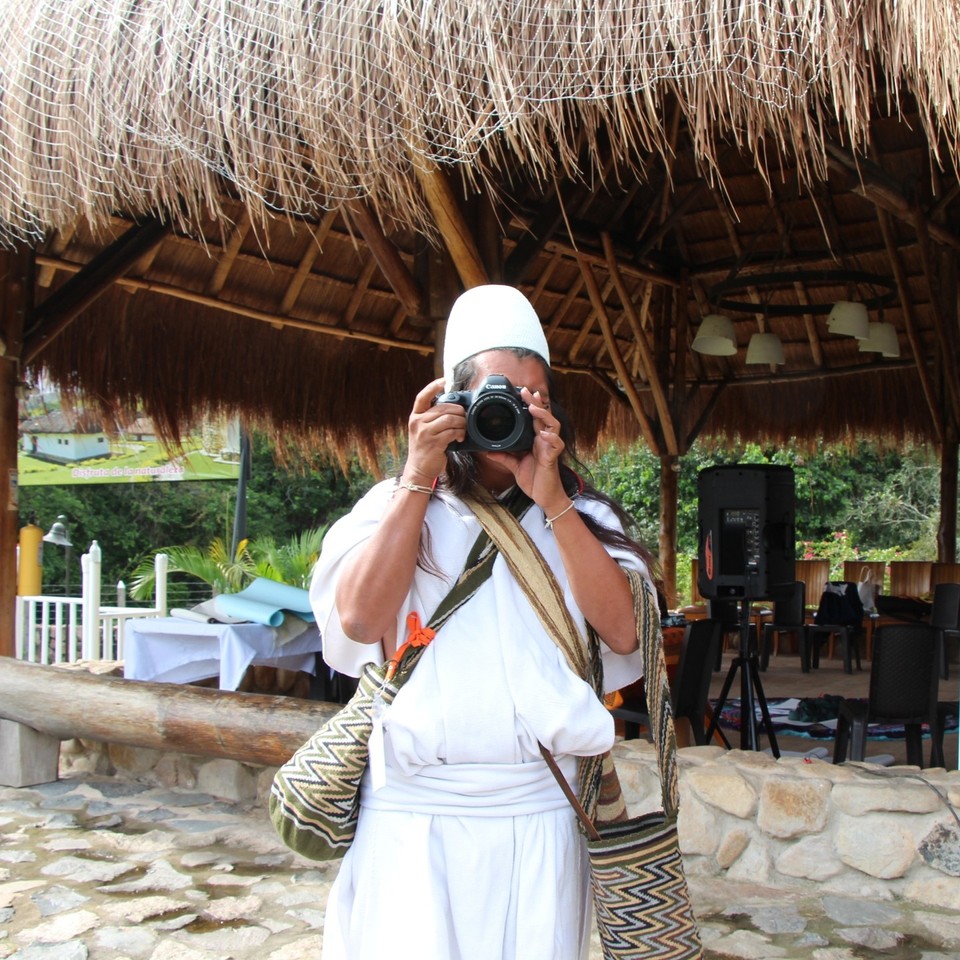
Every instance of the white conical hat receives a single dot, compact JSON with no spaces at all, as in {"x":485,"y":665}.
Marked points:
{"x":491,"y":317}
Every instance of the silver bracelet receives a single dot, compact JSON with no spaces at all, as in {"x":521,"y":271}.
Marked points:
{"x":415,"y":487}
{"x":548,"y":522}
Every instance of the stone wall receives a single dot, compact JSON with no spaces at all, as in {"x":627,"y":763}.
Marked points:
{"x":858,"y":830}
{"x":855,"y":829}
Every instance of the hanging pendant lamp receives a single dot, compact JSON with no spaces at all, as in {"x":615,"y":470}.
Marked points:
{"x":850,"y":319}
{"x":765,"y":348}
{"x":882,"y":339}
{"x":716,"y":337}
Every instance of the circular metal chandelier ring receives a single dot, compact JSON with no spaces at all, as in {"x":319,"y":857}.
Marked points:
{"x":718,"y":294}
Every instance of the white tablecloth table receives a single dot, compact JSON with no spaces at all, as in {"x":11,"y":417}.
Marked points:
{"x":170,"y":650}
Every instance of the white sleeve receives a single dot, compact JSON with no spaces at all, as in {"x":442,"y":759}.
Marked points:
{"x":349,"y":532}
{"x":619,"y":670}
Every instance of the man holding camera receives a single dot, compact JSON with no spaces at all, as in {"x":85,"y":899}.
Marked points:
{"x":466,"y":847}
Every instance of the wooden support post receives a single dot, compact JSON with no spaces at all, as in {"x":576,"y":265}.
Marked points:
{"x":947,"y":529}
{"x":16,"y":283}
{"x":451,"y":224}
{"x":669,"y":484}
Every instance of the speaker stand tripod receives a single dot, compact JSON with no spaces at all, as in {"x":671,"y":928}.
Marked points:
{"x":751,"y":692}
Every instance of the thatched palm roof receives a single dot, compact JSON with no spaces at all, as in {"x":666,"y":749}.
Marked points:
{"x":300,"y":189}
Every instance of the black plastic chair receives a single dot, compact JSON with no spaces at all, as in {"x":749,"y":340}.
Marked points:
{"x":840,"y":613}
{"x":945,"y":619}
{"x":904,"y":678}
{"x":691,"y":686}
{"x":788,"y":618}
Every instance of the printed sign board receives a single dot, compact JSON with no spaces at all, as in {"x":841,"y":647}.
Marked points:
{"x":66,"y":445}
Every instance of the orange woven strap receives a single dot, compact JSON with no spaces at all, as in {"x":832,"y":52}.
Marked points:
{"x":417,"y":636}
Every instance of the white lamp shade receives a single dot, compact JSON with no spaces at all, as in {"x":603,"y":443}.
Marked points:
{"x":850,"y":319}
{"x":716,"y":337}
{"x":765,"y":348}
{"x":882,"y":339}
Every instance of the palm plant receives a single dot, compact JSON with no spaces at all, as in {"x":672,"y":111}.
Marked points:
{"x":291,"y":562}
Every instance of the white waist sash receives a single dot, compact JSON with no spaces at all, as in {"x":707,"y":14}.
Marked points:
{"x":469,"y":790}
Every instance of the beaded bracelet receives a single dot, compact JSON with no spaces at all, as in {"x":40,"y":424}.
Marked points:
{"x":415,"y":487}
{"x":548,"y":522}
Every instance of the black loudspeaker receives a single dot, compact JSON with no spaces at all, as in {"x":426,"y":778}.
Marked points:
{"x":746,"y":531}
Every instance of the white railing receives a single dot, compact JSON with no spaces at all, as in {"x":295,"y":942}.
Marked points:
{"x":67,"y":629}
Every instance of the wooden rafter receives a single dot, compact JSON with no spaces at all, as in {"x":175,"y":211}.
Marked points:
{"x":592,"y":316}
{"x":885,"y":193}
{"x":323,"y":323}
{"x":544,"y":225}
{"x":388,"y":258}
{"x":800,"y":289}
{"x":946,"y":350}
{"x":636,"y":405}
{"x":314,"y":245}
{"x":229,"y":256}
{"x":640,"y":339}
{"x":569,"y":297}
{"x":58,"y":245}
{"x":359,"y":291}
{"x":58,"y":311}
{"x":906,"y":305}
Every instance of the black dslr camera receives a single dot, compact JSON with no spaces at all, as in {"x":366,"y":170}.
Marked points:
{"x":497,"y":419}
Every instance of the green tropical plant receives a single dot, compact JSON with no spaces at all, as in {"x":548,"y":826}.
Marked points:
{"x":291,"y":562}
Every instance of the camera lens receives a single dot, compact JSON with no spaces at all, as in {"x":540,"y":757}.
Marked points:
{"x":495,"y":421}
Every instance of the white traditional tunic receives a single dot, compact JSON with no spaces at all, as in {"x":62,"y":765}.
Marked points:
{"x":470,"y":850}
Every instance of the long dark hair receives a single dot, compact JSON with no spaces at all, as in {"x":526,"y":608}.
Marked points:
{"x":462,"y":473}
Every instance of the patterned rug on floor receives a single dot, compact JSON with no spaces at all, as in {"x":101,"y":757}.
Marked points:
{"x":813,"y":717}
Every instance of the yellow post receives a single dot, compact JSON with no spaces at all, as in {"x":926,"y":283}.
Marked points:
{"x":30,"y":570}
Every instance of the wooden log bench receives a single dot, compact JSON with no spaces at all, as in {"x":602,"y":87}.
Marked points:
{"x":40,"y":706}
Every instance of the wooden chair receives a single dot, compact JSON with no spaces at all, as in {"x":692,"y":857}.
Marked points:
{"x":814,"y":574}
{"x":910,"y":578}
{"x":944,"y":573}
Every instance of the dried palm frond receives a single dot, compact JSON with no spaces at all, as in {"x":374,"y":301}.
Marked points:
{"x":301,"y":106}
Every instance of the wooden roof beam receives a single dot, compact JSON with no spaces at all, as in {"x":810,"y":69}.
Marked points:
{"x":359,"y":291}
{"x":451,"y":223}
{"x":906,"y":305}
{"x":329,"y":327}
{"x":387,"y":256}
{"x":884,"y":193}
{"x":629,"y":269}
{"x":51,"y":317}
{"x":803,"y":295}
{"x":947,"y":354}
{"x":640,"y":338}
{"x":708,"y":408}
{"x":544,"y":225}
{"x":229,"y":257}
{"x":623,"y":374}
{"x":58,"y":245}
{"x":302,"y":273}
{"x":587,"y":326}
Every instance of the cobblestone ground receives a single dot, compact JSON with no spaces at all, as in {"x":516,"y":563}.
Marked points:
{"x":107,"y":869}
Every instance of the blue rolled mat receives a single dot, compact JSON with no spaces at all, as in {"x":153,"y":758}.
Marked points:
{"x":266,"y":601}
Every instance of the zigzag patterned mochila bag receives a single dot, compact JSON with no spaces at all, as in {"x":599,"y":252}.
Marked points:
{"x":640,"y":893}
